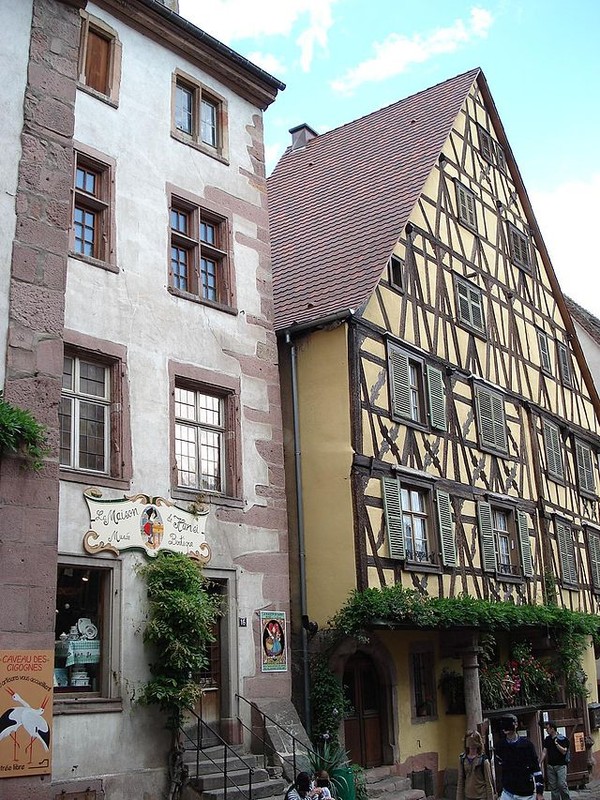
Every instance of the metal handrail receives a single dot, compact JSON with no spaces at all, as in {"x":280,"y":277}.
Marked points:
{"x":264,"y":741}
{"x":227,"y":748}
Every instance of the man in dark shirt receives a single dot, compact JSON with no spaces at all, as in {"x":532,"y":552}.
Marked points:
{"x":521,"y":774}
{"x":555,"y":754}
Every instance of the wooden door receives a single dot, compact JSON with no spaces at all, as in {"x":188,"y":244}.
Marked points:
{"x":571,"y":719}
{"x":362,"y":726}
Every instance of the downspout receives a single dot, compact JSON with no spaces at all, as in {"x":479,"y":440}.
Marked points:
{"x":300,"y":524}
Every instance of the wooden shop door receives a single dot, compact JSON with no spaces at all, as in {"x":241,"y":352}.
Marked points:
{"x":362,"y":726}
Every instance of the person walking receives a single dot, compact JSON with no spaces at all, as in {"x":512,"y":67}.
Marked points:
{"x":556,"y":756}
{"x":474,"y":771}
{"x":522,"y":777}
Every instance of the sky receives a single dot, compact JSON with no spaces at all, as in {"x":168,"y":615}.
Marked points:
{"x":342,"y":59}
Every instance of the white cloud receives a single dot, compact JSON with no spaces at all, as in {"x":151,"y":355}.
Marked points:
{"x":398,"y":52}
{"x":236,"y":20}
{"x":568,"y":216}
{"x":268,"y":62}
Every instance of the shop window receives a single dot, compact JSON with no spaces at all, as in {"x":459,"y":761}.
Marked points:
{"x":86,"y":645}
{"x":424,"y":694}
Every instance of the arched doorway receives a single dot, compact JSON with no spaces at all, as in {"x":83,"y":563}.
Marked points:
{"x":362,"y":727}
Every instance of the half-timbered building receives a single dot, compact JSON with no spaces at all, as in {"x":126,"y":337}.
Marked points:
{"x":441,"y":420}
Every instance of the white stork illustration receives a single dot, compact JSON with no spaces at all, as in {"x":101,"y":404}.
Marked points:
{"x":24,"y":716}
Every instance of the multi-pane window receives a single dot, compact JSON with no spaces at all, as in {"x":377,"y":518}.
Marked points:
{"x":410,"y":524}
{"x":491,"y":419}
{"x":470,"y":305}
{"x":412,"y":383}
{"x":564,"y":364}
{"x":199,"y":439}
{"x":553,"y":450}
{"x":544,"y":348}
{"x":504,"y":535}
{"x":91,"y":224}
{"x":99,"y":58}
{"x":198,"y":258}
{"x":585,"y":467}
{"x":199,"y":115}
{"x":465,"y":201}
{"x":424,"y":699}
{"x":519,"y":248}
{"x":84,"y":415}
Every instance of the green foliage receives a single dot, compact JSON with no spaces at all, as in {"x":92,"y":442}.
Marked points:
{"x":568,"y":658}
{"x":521,"y":681}
{"x":360,"y":782}
{"x":452,"y":686}
{"x":394,"y":606}
{"x":328,"y":702}
{"x":330,"y":756}
{"x":21,"y":433}
{"x":182,"y":614}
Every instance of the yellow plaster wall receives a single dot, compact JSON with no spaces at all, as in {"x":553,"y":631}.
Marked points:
{"x":324,"y":418}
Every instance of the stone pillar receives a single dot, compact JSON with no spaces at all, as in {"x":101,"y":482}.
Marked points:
{"x":470,"y":664}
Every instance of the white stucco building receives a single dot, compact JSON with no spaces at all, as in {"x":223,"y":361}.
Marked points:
{"x":136,"y":324}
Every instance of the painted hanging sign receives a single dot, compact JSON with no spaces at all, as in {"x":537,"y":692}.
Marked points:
{"x":273,"y":644}
{"x":144,"y":523}
{"x":26,"y":680}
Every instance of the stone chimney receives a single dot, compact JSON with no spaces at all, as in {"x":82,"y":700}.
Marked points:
{"x":301,"y":135}
{"x":172,"y":4}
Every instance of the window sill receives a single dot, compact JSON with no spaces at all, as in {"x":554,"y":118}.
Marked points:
{"x":421,"y":566}
{"x":194,"y":298}
{"x":481,"y":334}
{"x":110,"y":101}
{"x":504,"y":577}
{"x":419,"y":720}
{"x":93,"y":479}
{"x":202,"y":148}
{"x":191,"y":495}
{"x":95,"y":262}
{"x":86,"y":705}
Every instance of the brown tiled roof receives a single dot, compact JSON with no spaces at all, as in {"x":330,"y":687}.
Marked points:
{"x":585,"y":318}
{"x":338,"y":206}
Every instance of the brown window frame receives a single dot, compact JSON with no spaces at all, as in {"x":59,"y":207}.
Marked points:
{"x":211,"y":287}
{"x":423,"y":697}
{"x":193,"y":134}
{"x":227,"y":389}
{"x":98,"y":28}
{"x":113,"y":357}
{"x":99,"y":204}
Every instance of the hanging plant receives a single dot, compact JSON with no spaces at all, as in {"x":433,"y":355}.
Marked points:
{"x":21,"y":433}
{"x":452,"y":686}
{"x":328,"y":702}
{"x":182,"y":614}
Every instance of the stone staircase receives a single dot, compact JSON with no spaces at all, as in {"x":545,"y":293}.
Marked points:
{"x":208,"y":781}
{"x":383,"y":785}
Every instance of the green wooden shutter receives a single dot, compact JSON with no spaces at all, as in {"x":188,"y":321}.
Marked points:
{"x":564,"y":363}
{"x":523,"y":527}
{"x":486,"y":532}
{"x":392,"y":508}
{"x":476,"y":308}
{"x":464,"y":306}
{"x":444,"y":509}
{"x":544,"y":351}
{"x":594,"y":551}
{"x":485,"y":417}
{"x":400,"y":383}
{"x":585,"y":467}
{"x":564,"y":536}
{"x":499,"y":422}
{"x":437,"y":398}
{"x":554,"y":460}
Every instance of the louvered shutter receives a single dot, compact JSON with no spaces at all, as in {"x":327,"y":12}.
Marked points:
{"x":437,"y":398}
{"x":585,"y":467}
{"x":400,"y":383}
{"x":544,"y":352}
{"x":392,"y":508}
{"x":485,"y":142}
{"x":486,"y":532}
{"x":554,"y":461}
{"x":464,"y":305}
{"x":486,"y":419}
{"x":566,"y":552}
{"x":499,"y":422}
{"x":526,"y":560}
{"x":564,"y":363}
{"x":594,"y":550}
{"x":476,"y":309}
{"x":444,"y":508}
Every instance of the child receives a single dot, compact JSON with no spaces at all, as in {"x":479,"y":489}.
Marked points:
{"x":474,"y":771}
{"x":321,"y":789}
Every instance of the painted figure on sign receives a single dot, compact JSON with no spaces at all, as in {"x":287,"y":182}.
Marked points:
{"x":31,"y":719}
{"x":152,"y":527}
{"x":273,"y":639}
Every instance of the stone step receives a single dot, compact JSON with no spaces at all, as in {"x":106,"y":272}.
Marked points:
{"x":376,"y":774}
{"x":238,"y":778}
{"x":387,"y":786}
{"x":405,"y":794}
{"x":216,"y":763}
{"x":263,"y":789}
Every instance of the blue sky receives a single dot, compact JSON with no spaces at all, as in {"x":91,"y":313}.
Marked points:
{"x":341,"y":59}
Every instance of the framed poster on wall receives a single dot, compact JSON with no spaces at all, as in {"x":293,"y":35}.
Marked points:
{"x":273,"y":644}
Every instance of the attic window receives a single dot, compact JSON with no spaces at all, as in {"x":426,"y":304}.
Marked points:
{"x":519,"y":248}
{"x":486,"y":145}
{"x":465,"y":201}
{"x":395,"y":273}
